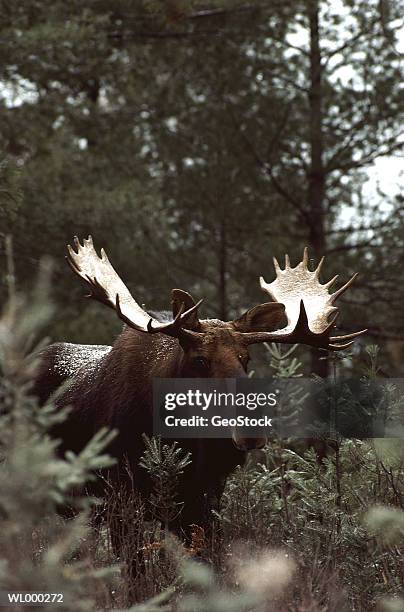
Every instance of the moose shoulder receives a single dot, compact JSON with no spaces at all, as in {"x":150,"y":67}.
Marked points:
{"x":112,"y":386}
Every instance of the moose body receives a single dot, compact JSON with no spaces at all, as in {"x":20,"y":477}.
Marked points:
{"x":113,"y":386}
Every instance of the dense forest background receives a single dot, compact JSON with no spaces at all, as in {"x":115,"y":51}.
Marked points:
{"x":195,"y":140}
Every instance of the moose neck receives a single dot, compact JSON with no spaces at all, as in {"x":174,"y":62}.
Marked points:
{"x":146,"y":356}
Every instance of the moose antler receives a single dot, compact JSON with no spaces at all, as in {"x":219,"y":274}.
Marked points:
{"x":106,"y":287}
{"x":308,"y":306}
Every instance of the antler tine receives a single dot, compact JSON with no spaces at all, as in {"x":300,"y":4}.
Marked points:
{"x":71,"y":261}
{"x":305,"y":260}
{"x":340,"y":347}
{"x":343,"y":288}
{"x":179,"y":322}
{"x":320,"y":265}
{"x":276,"y":266}
{"x":330,"y":282}
{"x":185,"y":315}
{"x":107,"y":287}
{"x":349,"y":336}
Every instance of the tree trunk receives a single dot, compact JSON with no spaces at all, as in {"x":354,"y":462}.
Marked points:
{"x":222,"y":289}
{"x":316,"y":176}
{"x":93,"y":93}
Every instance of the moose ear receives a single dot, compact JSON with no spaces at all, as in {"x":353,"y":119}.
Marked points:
{"x":264,"y":317}
{"x":179,"y":297}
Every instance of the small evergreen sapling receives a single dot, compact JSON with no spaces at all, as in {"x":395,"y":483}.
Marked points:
{"x":39,"y":551}
{"x":165,"y":463}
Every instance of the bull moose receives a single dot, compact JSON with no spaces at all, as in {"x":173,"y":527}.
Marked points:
{"x":112,"y":386}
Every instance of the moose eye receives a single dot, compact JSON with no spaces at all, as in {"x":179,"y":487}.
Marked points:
{"x":201,"y":362}
{"x":244,"y":359}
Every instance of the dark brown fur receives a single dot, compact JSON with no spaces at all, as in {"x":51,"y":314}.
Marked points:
{"x":112,"y":387}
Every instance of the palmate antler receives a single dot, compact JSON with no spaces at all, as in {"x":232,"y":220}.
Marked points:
{"x":106,"y":287}
{"x":308,"y":306}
